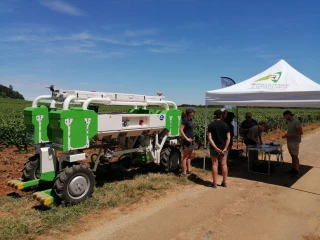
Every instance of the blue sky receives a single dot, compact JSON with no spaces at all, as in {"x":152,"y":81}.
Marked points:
{"x":178,"y":47}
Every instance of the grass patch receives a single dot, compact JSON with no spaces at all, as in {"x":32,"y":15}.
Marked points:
{"x":21,"y":218}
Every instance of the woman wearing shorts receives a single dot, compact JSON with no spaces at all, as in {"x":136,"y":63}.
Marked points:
{"x":187,"y":133}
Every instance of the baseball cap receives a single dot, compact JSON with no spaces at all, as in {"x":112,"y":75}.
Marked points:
{"x":217,"y":113}
{"x":190,"y":109}
{"x":223,"y":110}
{"x":288,"y":112}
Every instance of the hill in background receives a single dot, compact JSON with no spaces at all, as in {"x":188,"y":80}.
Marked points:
{"x":8,"y":92}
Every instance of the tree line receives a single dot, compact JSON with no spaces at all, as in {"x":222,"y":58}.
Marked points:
{"x":8,"y":92}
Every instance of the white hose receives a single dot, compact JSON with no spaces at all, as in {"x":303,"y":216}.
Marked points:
{"x":42,"y":97}
{"x":88,"y":101}
{"x":67,"y":101}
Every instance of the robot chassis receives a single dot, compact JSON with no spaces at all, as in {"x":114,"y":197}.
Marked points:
{"x":141,"y":134}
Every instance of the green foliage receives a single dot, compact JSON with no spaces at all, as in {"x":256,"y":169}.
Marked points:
{"x":272,"y":116}
{"x":12,"y":129}
{"x":8,"y":92}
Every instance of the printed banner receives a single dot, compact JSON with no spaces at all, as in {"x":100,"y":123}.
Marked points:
{"x":226,"y":82}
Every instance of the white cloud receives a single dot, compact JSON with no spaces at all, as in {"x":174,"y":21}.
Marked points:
{"x":38,"y":38}
{"x":142,"y":32}
{"x":165,"y":50}
{"x":63,"y":7}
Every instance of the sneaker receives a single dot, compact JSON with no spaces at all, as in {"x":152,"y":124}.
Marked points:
{"x":213,"y":185}
{"x":183,"y":175}
{"x":224,"y":184}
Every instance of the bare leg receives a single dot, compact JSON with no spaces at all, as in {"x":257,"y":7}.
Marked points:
{"x":189,"y":161}
{"x":214,"y":169}
{"x":186,"y":156}
{"x":224,"y":169}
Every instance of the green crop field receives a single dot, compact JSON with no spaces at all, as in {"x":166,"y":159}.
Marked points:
{"x":12,"y":129}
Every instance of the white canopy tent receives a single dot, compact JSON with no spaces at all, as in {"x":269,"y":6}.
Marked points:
{"x":279,"y":86}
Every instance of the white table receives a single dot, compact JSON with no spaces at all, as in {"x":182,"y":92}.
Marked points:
{"x":266,"y":149}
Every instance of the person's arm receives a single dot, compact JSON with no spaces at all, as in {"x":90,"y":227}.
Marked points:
{"x":260,"y":139}
{"x":212,"y":143}
{"x":252,"y":137}
{"x":227,"y":143}
{"x":298,"y":132}
{"x":183,"y":134}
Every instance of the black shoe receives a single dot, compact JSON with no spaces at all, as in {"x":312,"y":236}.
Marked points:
{"x":223,"y":184}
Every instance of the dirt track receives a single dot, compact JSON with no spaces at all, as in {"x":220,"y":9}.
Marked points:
{"x":252,"y":207}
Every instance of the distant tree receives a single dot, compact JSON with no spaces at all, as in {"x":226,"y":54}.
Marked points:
{"x":7,"y":92}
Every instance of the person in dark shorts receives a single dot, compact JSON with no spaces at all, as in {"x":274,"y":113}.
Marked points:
{"x":187,"y":133}
{"x":219,"y":139}
{"x":293,"y":137}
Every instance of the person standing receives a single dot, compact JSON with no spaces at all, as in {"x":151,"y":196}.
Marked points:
{"x":187,"y":133}
{"x":219,"y":139}
{"x":293,"y":137}
{"x":224,"y":113}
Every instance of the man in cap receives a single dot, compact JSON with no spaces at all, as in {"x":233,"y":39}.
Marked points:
{"x":219,"y":139}
{"x":254,"y":135}
{"x":254,"y":138}
{"x":246,"y":125}
{"x":293,"y":137}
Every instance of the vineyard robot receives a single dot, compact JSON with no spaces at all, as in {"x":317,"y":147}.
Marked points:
{"x":61,"y":135}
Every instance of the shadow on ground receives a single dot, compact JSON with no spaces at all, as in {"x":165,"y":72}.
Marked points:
{"x":238,"y":168}
{"x":105,"y":174}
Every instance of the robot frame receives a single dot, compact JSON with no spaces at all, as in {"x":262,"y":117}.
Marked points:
{"x":140,"y":135}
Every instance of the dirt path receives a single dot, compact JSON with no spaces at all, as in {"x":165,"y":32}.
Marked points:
{"x":252,"y":207}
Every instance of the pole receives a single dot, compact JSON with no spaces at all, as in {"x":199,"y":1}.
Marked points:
{"x":237,"y":128}
{"x":205,"y":137}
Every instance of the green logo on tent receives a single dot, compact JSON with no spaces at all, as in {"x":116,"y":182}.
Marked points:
{"x":273,"y":77}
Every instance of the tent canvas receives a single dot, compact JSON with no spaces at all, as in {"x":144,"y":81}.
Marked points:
{"x":279,"y":86}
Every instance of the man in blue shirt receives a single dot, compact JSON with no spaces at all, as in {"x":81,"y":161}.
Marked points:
{"x":247,"y":124}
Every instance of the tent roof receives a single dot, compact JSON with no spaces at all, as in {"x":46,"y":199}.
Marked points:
{"x":279,"y":86}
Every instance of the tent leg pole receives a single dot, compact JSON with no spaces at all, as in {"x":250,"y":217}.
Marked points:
{"x":237,"y":128}
{"x":205,"y":137}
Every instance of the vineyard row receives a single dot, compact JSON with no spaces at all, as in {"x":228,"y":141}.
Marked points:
{"x":12,"y":128}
